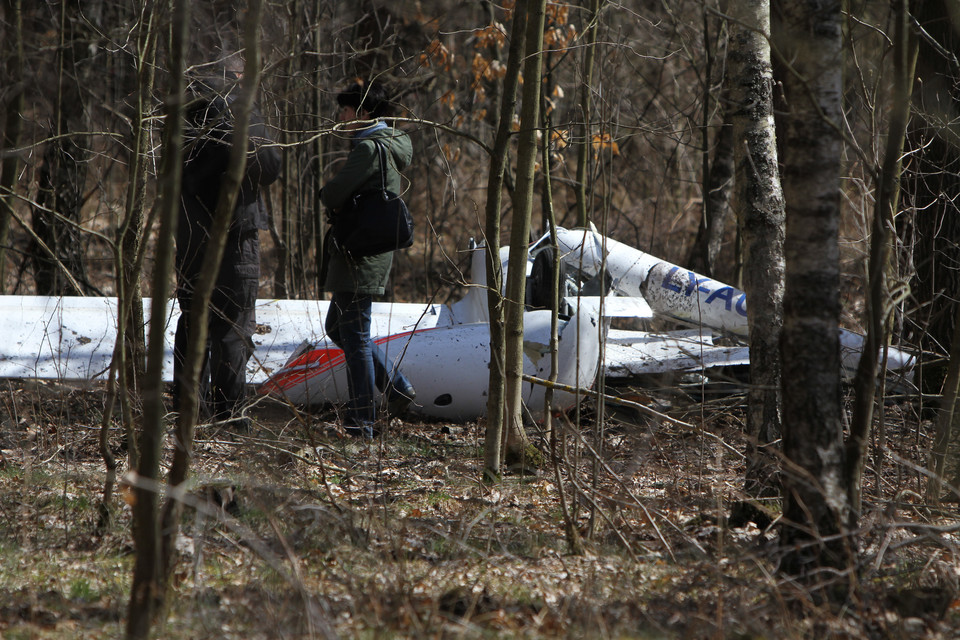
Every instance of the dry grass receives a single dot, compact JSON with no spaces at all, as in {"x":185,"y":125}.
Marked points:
{"x":295,"y":530}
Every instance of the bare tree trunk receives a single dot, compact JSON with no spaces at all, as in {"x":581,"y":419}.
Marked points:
{"x":816,"y":509}
{"x":56,"y":216}
{"x":946,"y":427}
{"x":931,"y":182}
{"x":878,"y":304}
{"x":718,"y":186}
{"x":291,"y":259}
{"x":129,"y":354}
{"x":585,"y":148}
{"x":760,"y":207}
{"x":933,"y":175}
{"x":518,"y":445}
{"x":132,"y":231}
{"x":496,"y":402}
{"x":547,"y":87}
{"x":289,"y":176}
{"x":145,"y":592}
{"x":717,"y":171}
{"x":555,"y":439}
{"x":550,"y":226}
{"x":13,"y":38}
{"x":200,"y":310}
{"x":321,"y":147}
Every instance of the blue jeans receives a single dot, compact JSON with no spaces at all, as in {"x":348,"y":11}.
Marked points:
{"x":348,"y":326}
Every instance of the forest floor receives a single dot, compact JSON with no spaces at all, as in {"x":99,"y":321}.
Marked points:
{"x":293,"y":531}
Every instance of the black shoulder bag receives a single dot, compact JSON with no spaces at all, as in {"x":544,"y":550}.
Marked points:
{"x":374,"y":222}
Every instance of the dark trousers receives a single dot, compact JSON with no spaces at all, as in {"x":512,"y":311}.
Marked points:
{"x":230,"y":328}
{"x":348,"y":326}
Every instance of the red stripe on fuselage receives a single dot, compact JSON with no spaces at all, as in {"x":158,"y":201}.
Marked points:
{"x":303,"y":367}
{"x":316,"y":362}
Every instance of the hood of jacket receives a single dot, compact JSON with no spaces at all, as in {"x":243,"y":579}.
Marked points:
{"x":361,"y":170}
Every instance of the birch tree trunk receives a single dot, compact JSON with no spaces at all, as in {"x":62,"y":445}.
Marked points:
{"x":759,"y":204}
{"x":816,"y":509}
{"x":517,"y":444}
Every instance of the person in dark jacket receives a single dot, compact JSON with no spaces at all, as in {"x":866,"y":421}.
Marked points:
{"x":232,"y":319}
{"x":354,"y":281}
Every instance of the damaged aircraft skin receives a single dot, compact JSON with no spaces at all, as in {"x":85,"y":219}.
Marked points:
{"x":444,"y":349}
{"x":686,"y":296}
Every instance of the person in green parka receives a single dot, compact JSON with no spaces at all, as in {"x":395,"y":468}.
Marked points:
{"x":354,"y":281}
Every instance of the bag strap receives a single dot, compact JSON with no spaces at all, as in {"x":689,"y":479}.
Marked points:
{"x":382,"y":157}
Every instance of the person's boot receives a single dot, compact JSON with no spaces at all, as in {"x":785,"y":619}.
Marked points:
{"x":360,"y":431}
{"x":399,"y":399}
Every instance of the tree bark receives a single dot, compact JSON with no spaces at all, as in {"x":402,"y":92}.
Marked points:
{"x":145,"y":592}
{"x":944,"y":449}
{"x":200,"y":310}
{"x":931,"y":180}
{"x":878,"y":305}
{"x":585,"y":148}
{"x":496,"y":398}
{"x":132,"y":230}
{"x":760,"y":207}
{"x":717,"y":170}
{"x":517,"y":443}
{"x":13,"y":123}
{"x":129,"y":354}
{"x":58,"y":257}
{"x":931,"y":184}
{"x":816,"y":509}
{"x":718,"y":188}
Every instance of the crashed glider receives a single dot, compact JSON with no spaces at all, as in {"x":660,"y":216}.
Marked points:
{"x":443,"y":348}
